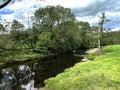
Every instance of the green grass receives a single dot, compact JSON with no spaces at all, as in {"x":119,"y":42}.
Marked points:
{"x":103,"y":73}
{"x":10,"y":55}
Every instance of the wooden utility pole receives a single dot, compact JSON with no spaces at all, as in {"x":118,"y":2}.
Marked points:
{"x":100,"y":29}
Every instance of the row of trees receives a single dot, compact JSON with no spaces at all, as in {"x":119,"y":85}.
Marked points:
{"x":55,"y":29}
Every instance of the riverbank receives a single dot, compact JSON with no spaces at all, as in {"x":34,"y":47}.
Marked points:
{"x":102,"y":73}
{"x":18,"y":55}
{"x":34,"y":71}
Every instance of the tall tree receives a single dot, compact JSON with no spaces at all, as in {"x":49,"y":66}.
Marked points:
{"x":101,"y":22}
{"x":58,"y":26}
{"x":53,"y":15}
{"x":16,"y":31}
{"x":16,"y":25}
{"x":84,"y":30}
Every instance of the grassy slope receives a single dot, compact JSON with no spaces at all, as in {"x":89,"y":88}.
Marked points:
{"x":101,"y":74}
{"x":6,"y":56}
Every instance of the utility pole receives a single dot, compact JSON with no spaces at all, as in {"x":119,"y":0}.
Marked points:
{"x":100,"y":29}
{"x":28,"y":19}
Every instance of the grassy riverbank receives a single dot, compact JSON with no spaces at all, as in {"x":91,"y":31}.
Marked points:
{"x":17,"y":55}
{"x":103,"y":73}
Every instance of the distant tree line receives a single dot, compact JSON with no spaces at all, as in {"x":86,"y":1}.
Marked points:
{"x":55,"y":30}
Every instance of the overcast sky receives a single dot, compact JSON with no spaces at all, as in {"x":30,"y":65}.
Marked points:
{"x":84,"y":10}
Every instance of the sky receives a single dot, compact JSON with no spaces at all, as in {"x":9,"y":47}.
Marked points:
{"x":84,"y":10}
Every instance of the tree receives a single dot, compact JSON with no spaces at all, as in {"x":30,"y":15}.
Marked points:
{"x":16,"y":31}
{"x":59,"y":24}
{"x":16,"y":25}
{"x":101,"y":22}
{"x":110,"y":37}
{"x":2,"y":28}
{"x":93,"y":36}
{"x":84,"y":30}
{"x":30,"y":38}
{"x":53,"y":15}
{"x":4,"y":3}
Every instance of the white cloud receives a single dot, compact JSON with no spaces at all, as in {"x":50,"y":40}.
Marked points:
{"x":112,"y":14}
{"x":8,"y":17}
{"x":83,"y":11}
{"x":22,"y":8}
{"x":90,"y":19}
{"x":116,"y":29}
{"x":68,"y":3}
{"x":25,"y":4}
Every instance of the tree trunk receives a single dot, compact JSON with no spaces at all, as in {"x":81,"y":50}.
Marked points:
{"x":99,"y":40}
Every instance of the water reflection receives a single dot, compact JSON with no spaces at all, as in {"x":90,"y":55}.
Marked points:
{"x":30,"y":76}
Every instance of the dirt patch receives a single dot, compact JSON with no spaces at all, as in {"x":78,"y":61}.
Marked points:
{"x":42,"y":88}
{"x":92,"y":50}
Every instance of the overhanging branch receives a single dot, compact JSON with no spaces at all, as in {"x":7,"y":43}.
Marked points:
{"x":4,"y":4}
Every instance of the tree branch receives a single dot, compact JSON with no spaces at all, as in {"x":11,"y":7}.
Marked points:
{"x":4,"y":4}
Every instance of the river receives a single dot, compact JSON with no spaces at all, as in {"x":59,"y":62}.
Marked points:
{"x":30,"y":75}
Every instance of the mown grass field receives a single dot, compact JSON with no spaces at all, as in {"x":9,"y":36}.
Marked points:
{"x":102,"y":73}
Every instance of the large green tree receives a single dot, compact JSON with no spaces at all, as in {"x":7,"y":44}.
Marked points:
{"x":53,"y":15}
{"x":59,"y":32}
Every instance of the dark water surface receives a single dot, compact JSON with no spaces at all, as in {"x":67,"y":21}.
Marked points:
{"x":30,"y":75}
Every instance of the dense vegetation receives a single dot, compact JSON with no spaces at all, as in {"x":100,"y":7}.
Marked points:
{"x":54,"y":29}
{"x":101,"y":74}
{"x":18,"y":55}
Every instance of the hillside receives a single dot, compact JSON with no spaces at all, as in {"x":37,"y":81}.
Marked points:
{"x":103,"y":73}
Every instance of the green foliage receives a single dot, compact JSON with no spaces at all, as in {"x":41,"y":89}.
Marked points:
{"x":16,"y":25}
{"x":111,"y":37}
{"x":59,"y":32}
{"x":92,"y":56}
{"x":85,"y":33}
{"x":101,"y":74}
{"x":16,"y":32}
{"x":2,"y":28}
{"x":93,"y":36}
{"x":52,"y":15}
{"x":15,"y":36}
{"x":5,"y":41}
{"x":11,"y":55}
{"x":30,"y":38}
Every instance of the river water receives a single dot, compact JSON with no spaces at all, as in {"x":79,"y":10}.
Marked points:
{"x":30,"y":75}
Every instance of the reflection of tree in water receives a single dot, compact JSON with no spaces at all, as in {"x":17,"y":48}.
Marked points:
{"x":15,"y":79}
{"x":51,"y":66}
{"x":32,"y":75}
